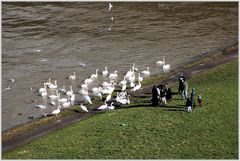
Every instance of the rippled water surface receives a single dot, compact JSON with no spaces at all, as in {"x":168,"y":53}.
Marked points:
{"x":75,"y":36}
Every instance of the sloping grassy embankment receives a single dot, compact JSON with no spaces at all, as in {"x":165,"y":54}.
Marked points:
{"x":145,"y":132}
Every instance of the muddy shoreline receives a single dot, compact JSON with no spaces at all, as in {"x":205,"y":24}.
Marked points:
{"x":23,"y":134}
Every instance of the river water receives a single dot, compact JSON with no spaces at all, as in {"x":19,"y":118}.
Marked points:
{"x":51,"y":40}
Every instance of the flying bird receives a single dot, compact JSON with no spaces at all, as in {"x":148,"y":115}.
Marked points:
{"x":109,"y":7}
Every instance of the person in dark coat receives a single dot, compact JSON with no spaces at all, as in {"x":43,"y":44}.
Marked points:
{"x":168,"y":92}
{"x":189,"y":105}
{"x":181,"y":80}
{"x":155,"y":95}
{"x":193,"y":97}
{"x":199,"y":100}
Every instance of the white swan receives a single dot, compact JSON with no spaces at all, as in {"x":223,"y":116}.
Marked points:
{"x":84,"y":108}
{"x":43,"y":89}
{"x":137,"y":87}
{"x":166,"y":67}
{"x":63,"y":90}
{"x":96,"y":89}
{"x":123,"y":82}
{"x":94,"y":76}
{"x":41,"y":106}
{"x":49,"y":82}
{"x":52,"y":102}
{"x":88,"y":81}
{"x":128,"y":74}
{"x":134,"y":68}
{"x":43,"y":94}
{"x":105,"y":72}
{"x":83,"y":91}
{"x":139,"y":77}
{"x":113,"y":75}
{"x":85,"y":86}
{"x":61,"y":100}
{"x":132,"y":84}
{"x":53,"y":86}
{"x":103,"y":107}
{"x":54,"y":96}
{"x":66,"y":104}
{"x":109,"y":7}
{"x":108,"y":90}
{"x":160,"y":62}
{"x":124,"y":87}
{"x":87,"y":99}
{"x":72,"y":99}
{"x":111,"y":107}
{"x":146,"y":72}
{"x":108,"y":97}
{"x":124,"y":101}
{"x":70,"y":93}
{"x":57,"y":111}
{"x":72,"y":77}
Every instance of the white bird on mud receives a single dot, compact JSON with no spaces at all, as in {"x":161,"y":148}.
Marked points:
{"x":49,"y":82}
{"x":105,"y":72}
{"x":124,"y":101}
{"x":103,"y":107}
{"x":160,"y":62}
{"x":44,"y":89}
{"x":123,"y":82}
{"x":61,"y":100}
{"x":134,"y":68}
{"x":70,"y":93}
{"x":53,"y":86}
{"x":108,"y":97}
{"x":57,"y":111}
{"x":52,"y":102}
{"x":94,"y":76}
{"x":54,"y":96}
{"x":63,"y":90}
{"x":88,"y":81}
{"x":72,"y":77}
{"x":84,"y":108}
{"x":146,"y":72}
{"x":139,"y":77}
{"x":83,"y":91}
{"x":137,"y":87}
{"x":166,"y":67}
{"x":109,"y":7}
{"x":43,"y":94}
{"x":66,"y":104}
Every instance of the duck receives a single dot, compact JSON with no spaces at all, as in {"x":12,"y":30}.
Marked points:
{"x":57,"y":111}
{"x":146,"y":72}
{"x":53,"y":86}
{"x":105,"y":72}
{"x":84,"y":108}
{"x":113,"y":75}
{"x":72,"y":77}
{"x":94,"y":76}
{"x":103,"y":107}
{"x":87,"y":99}
{"x":160,"y":62}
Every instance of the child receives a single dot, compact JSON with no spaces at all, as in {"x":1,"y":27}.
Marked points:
{"x":189,"y":105}
{"x":199,"y":101}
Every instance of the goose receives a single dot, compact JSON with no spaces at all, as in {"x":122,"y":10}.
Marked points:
{"x":111,"y":107}
{"x":113,"y":75}
{"x":54,"y":96}
{"x":105,"y":72}
{"x":109,"y":7}
{"x":87,"y":99}
{"x":57,"y":111}
{"x":53,"y":86}
{"x":63,"y":90}
{"x":160,"y":62}
{"x":61,"y":100}
{"x":84,"y":108}
{"x":66,"y":104}
{"x":72,"y":77}
{"x":94,"y":76}
{"x":41,"y":107}
{"x":102,"y":107}
{"x":146,"y":72}
{"x":70,"y":93}
{"x":43,"y":89}
{"x":108,"y":97}
{"x":166,"y":67}
{"x":49,"y":82}
{"x":137,"y":87}
{"x":123,"y":82}
{"x":139,"y":77}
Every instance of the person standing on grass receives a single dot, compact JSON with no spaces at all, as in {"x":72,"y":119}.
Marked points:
{"x":181,"y":80}
{"x":168,"y":93}
{"x":155,"y":95}
{"x":185,"y":89}
{"x":199,"y":100}
{"x":193,"y":97}
{"x":189,"y":105}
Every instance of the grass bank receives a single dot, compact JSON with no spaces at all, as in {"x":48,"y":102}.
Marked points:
{"x":145,"y":132}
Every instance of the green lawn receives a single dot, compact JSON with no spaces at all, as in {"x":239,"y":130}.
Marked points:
{"x":145,"y":132}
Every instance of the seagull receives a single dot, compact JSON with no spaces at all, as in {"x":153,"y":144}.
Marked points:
{"x":37,"y":50}
{"x":109,"y":7}
{"x":111,"y":18}
{"x":8,"y":88}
